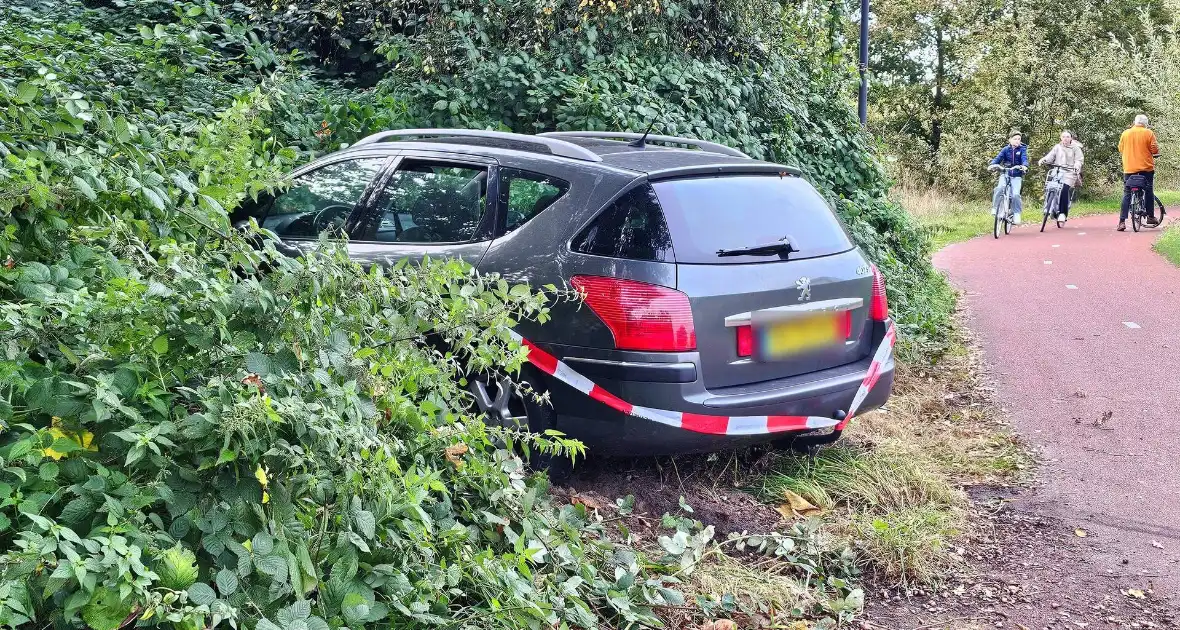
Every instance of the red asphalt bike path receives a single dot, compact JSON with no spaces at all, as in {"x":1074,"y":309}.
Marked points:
{"x":1081,"y":324}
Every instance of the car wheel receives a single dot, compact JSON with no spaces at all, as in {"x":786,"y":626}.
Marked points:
{"x":503,"y":404}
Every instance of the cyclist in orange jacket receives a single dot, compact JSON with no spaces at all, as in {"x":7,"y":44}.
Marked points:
{"x":1139,"y":149}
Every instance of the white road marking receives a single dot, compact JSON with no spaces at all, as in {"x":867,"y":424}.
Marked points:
{"x":1131,"y":325}
{"x":1081,"y":233}
{"x":1056,"y":246}
{"x":1048,"y":262}
{"x":1071,"y":286}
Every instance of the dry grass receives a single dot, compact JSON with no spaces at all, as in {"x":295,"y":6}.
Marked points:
{"x":896,"y":482}
{"x":757,"y":587}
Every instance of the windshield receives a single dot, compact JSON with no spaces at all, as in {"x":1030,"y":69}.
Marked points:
{"x":714,"y":214}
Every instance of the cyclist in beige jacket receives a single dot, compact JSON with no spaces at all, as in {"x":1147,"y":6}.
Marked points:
{"x":1068,"y":155}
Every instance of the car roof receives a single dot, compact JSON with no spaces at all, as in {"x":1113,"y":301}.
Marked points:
{"x":654,"y":160}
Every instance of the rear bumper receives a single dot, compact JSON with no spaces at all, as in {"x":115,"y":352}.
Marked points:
{"x":672,"y":383}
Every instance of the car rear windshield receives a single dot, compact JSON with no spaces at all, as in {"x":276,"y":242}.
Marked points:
{"x":714,"y":215}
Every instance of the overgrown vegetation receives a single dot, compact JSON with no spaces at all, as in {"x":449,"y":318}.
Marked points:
{"x":900,"y":473}
{"x":196,"y":431}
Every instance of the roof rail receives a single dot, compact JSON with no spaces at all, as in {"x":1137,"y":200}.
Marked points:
{"x":711,"y":147}
{"x":554,"y":146}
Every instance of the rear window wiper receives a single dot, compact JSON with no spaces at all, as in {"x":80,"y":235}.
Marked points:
{"x":782,"y":248}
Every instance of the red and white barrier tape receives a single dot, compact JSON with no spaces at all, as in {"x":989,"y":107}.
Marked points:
{"x":714,"y":425}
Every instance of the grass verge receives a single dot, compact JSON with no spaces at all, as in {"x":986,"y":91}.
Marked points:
{"x":951,"y":219}
{"x":895,"y":486}
{"x":1168,"y":244}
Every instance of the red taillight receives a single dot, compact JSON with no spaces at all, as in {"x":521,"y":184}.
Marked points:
{"x":745,"y":341}
{"x":879,"y":308}
{"x":641,"y":316}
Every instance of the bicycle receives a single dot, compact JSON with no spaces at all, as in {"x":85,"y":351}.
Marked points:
{"x":1004,"y":216}
{"x":1053,"y":195}
{"x":1139,"y":210}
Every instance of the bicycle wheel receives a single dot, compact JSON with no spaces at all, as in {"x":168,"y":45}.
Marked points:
{"x":1008,"y":224}
{"x":1136,"y":213}
{"x":998,"y":218}
{"x":1051,"y":200}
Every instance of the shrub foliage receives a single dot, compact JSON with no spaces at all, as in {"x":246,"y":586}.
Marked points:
{"x":196,"y":431}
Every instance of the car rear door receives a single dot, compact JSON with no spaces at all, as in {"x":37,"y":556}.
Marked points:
{"x":430,"y":204}
{"x":762,"y":310}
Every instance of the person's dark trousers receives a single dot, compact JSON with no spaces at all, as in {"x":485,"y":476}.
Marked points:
{"x":1148,"y":195}
{"x":1063,"y":201}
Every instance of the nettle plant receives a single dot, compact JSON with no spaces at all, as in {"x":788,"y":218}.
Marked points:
{"x":192,"y":443}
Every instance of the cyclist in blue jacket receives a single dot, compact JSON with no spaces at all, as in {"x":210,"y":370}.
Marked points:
{"x":1014,"y":156}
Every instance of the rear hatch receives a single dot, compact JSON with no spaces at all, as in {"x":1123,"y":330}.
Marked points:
{"x":767,"y":254}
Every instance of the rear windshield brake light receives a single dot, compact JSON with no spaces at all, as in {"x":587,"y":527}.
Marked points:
{"x":641,"y":316}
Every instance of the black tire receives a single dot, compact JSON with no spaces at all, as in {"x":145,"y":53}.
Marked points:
{"x":996,"y":228}
{"x":1007,"y":225}
{"x":1052,"y":200}
{"x":1136,"y":215}
{"x":525,"y":413}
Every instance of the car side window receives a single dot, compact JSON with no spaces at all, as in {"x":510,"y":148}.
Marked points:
{"x":632,"y":227}
{"x":526,"y":194}
{"x":431,"y":202}
{"x":321,"y":200}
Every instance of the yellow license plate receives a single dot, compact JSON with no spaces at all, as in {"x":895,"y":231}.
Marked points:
{"x":796,"y":336}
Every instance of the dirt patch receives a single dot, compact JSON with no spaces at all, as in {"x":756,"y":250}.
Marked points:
{"x":706,"y":483}
{"x":1026,"y":571}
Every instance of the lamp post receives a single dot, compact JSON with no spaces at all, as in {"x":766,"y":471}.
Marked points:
{"x":863,"y":106}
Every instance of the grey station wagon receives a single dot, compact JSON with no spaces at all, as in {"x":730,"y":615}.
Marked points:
{"x":715,"y":285}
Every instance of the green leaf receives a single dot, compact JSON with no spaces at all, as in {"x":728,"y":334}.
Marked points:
{"x":257,"y":363}
{"x":84,"y":188}
{"x":160,"y":345}
{"x":154,"y":197}
{"x":355,"y":607}
{"x":263,"y":543}
{"x":177,"y":568}
{"x":365,"y":523}
{"x":48,"y":471}
{"x":227,"y":582}
{"x":145,"y":32}
{"x":159,"y":30}
{"x":25,"y":93}
{"x":106,"y":610}
{"x":181,"y":180}
{"x":77,"y":510}
{"x":201,"y":594}
{"x":194,"y":11}
{"x":274,"y":566}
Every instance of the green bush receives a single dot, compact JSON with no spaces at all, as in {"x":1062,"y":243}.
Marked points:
{"x":197,"y":432}
{"x":753,"y":76}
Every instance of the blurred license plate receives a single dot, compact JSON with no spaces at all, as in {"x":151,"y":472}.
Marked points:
{"x":779,"y":340}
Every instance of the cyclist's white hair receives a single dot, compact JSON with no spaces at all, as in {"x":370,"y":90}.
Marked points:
{"x":1141,"y":119}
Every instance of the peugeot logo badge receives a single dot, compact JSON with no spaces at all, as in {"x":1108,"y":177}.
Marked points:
{"x":804,"y":286}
